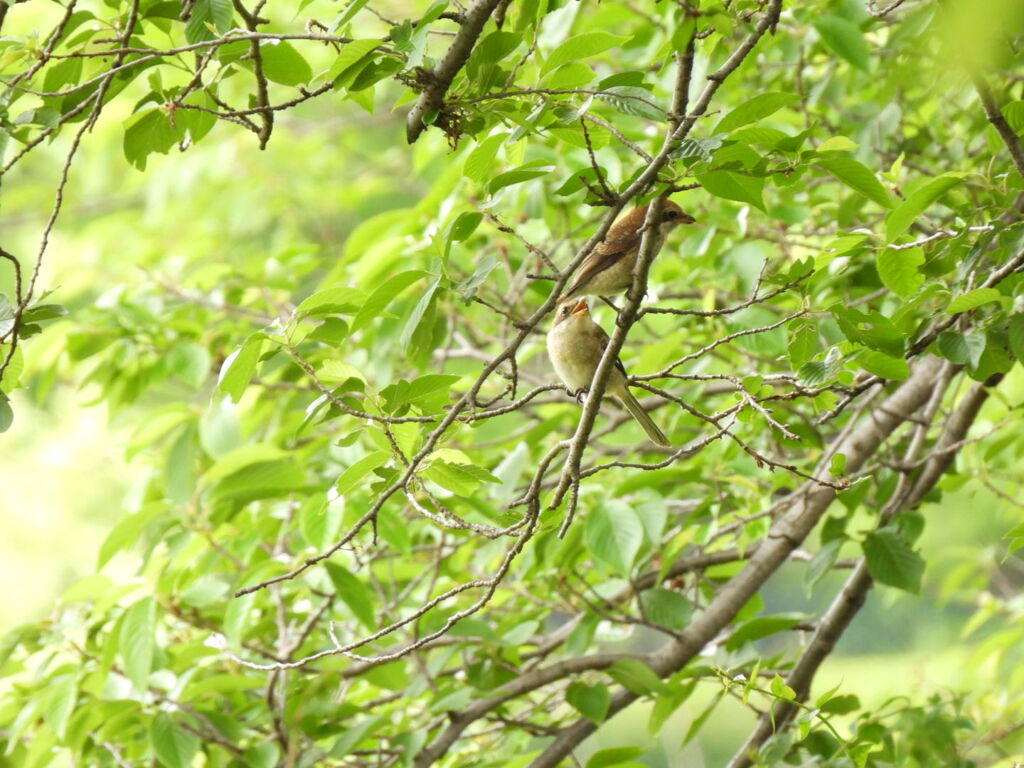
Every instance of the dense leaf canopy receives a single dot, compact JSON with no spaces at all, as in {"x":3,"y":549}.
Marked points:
{"x":367,"y":524}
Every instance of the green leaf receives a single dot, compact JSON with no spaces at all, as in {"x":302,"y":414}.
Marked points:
{"x":6,"y":412}
{"x":137,"y":641}
{"x":58,"y":702}
{"x":350,"y":10}
{"x":480,"y":162}
{"x":580,"y":47}
{"x":883,"y":365}
{"x":613,"y":756}
{"x":124,"y":534}
{"x":840,"y":705}
{"x":734,"y":186}
{"x":283,"y":64}
{"x":844,"y":38}
{"x":460,"y":479}
{"x":762,"y":626}
{"x":962,"y":349}
{"x":856,"y":176}
{"x":532,"y":170}
{"x":870,"y":329}
{"x":702,"y":718}
{"x":666,"y":608}
{"x":207,"y":14}
{"x":174,"y":746}
{"x":591,"y":701}
{"x":779,"y":689}
{"x":837,"y":144}
{"x":425,"y":387}
{"x":261,"y":480}
{"x":408,"y":335}
{"x":631,"y":100}
{"x":189,"y":362}
{"x":150,"y":131}
{"x":755,"y":109}
{"x":384,"y":295}
{"x":1014,"y":113}
{"x":351,"y":59}
{"x":635,"y":676}
{"x":354,"y":593}
{"x":972,"y":299}
{"x":1016,"y":336}
{"x":898,"y":269}
{"x":239,"y":367}
{"x":891,"y":561}
{"x":464,"y":225}
{"x":336,"y":300}
{"x":350,"y":477}
{"x":899,"y":220}
{"x":614,"y":537}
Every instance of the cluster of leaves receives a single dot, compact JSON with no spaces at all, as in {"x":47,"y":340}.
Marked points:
{"x":339,"y":560}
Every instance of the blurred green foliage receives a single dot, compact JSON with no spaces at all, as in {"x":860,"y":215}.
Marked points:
{"x":282,"y":332}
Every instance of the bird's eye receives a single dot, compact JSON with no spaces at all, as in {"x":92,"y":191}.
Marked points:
{"x":671,"y":215}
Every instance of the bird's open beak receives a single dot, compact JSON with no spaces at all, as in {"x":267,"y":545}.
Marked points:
{"x":581,"y":308}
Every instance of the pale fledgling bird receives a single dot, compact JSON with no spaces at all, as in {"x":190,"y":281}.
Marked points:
{"x":575,"y":346}
{"x":608,"y":269}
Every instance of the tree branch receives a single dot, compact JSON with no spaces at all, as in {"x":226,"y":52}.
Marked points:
{"x":432,"y":97}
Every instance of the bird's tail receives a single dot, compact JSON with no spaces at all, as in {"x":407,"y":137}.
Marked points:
{"x":643,"y":419}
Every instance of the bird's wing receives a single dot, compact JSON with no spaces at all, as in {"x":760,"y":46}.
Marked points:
{"x":603,"y":338}
{"x":603,"y":256}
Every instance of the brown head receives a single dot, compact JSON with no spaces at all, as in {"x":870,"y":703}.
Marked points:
{"x":671,"y":217}
{"x":571,"y":309}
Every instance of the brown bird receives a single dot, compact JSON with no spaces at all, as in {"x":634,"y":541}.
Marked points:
{"x":608,"y":269}
{"x":575,"y":345}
